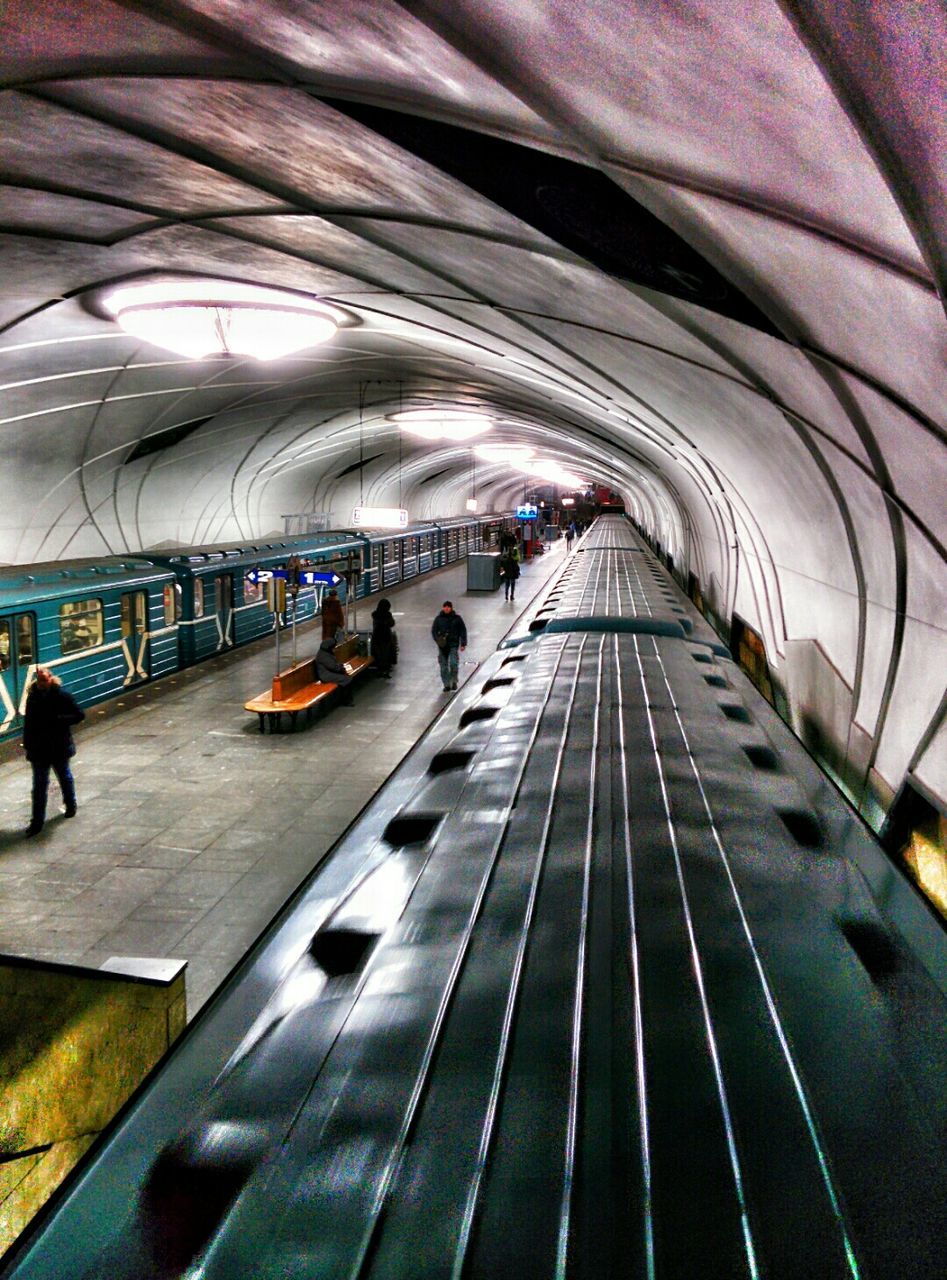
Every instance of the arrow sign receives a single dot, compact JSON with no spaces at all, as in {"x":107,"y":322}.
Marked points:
{"x":308,"y":577}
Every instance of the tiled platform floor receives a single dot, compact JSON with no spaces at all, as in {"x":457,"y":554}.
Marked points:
{"x":193,"y":828}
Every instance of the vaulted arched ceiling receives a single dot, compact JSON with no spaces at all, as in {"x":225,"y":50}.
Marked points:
{"x":694,"y":251}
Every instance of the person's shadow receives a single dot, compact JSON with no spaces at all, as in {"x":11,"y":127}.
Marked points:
{"x":15,"y":837}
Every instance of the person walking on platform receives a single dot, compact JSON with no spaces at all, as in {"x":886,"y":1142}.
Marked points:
{"x":333,"y":615}
{"x":384,"y":643}
{"x":509,"y":572}
{"x":450,"y":636}
{"x":47,"y":740}
{"x":570,"y":534}
{"x":329,"y":670}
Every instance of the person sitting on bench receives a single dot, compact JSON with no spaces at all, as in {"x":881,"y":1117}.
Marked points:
{"x":329,"y":670}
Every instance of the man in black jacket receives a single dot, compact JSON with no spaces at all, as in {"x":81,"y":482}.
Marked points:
{"x":450,"y":635}
{"x":47,"y":740}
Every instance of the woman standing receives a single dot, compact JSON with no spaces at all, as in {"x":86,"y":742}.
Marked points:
{"x":383,"y":639}
{"x":509,"y":572}
{"x":47,"y":740}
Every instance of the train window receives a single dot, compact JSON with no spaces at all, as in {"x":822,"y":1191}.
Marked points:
{"x":747,"y":648}
{"x":916,"y":833}
{"x":25,"y":639}
{"x":198,"y":598}
{"x":252,"y":591}
{"x":80,"y":625}
{"x":171,"y":598}
{"x":4,"y":644}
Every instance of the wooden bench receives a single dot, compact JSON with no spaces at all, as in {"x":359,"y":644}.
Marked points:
{"x":297,"y":689}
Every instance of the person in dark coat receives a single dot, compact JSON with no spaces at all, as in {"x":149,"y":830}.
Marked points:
{"x":47,"y":740}
{"x":329,"y":670}
{"x":383,"y":638}
{"x":333,"y":615}
{"x":450,"y":636}
{"x":509,"y":572}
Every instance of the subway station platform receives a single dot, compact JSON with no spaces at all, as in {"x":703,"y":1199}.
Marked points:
{"x":193,"y":827}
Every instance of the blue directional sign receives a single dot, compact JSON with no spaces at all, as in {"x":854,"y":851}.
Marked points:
{"x":308,"y":577}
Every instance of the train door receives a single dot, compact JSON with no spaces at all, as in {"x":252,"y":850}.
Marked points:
{"x":134,"y":623}
{"x":388,"y":562}
{"x":17,"y":660}
{"x":223,"y":607}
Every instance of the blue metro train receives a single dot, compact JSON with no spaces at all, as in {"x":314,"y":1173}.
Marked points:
{"x":105,"y":625}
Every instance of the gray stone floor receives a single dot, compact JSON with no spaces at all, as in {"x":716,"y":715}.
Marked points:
{"x":193,"y":828}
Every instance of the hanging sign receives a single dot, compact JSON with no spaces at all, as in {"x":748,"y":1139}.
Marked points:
{"x":308,"y":577}
{"x":380,"y":517}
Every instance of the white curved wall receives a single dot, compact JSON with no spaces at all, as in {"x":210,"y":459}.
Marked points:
{"x":795,"y":464}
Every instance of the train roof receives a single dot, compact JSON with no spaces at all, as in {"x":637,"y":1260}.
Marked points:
{"x":429,"y":526}
{"x":251,"y":551}
{"x":292,"y":542}
{"x":21,"y":584}
{"x":409,"y":531}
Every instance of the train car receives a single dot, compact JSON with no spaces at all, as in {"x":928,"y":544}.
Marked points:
{"x":606,"y":981}
{"x":101,"y":625}
{"x":396,"y":555}
{"x":171,"y":609}
{"x":458,"y":538}
{"x":490,"y":526}
{"x":221,"y":603}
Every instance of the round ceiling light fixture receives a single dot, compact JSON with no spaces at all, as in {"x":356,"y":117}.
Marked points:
{"x":442,"y":424}
{"x":201,"y":318}
{"x":512,"y":453}
{"x":554,"y":472}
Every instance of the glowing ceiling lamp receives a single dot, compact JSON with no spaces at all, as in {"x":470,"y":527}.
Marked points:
{"x":554,"y":472}
{"x":442,"y":424}
{"x":200,"y":318}
{"x":512,"y":453}
{"x":471,"y":504}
